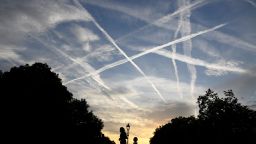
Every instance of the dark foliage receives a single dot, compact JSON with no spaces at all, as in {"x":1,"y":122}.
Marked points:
{"x":36,"y":107}
{"x":106,"y":140}
{"x":220,"y":120}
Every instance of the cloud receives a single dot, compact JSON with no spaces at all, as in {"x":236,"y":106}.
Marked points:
{"x":221,"y":72}
{"x":34,"y":16}
{"x":10,"y":52}
{"x":207,"y":48}
{"x":164,"y":113}
{"x":243,"y":86}
{"x":214,"y":72}
{"x":103,"y":53}
{"x":83,"y":34}
{"x":144,"y":111}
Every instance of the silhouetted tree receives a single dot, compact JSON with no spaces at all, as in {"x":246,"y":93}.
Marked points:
{"x":106,"y":140}
{"x":220,"y":120}
{"x":37,"y":107}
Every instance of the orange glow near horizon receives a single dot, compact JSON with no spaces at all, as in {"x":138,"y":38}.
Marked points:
{"x":144,"y":133}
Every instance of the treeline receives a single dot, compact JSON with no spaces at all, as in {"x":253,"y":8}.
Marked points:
{"x":36,"y":107}
{"x":220,"y":120}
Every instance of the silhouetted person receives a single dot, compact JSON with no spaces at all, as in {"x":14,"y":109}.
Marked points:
{"x":135,"y":140}
{"x":123,"y":136}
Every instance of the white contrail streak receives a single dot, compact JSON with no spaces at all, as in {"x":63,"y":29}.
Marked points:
{"x":124,"y":54}
{"x":175,"y":66}
{"x":187,"y":45}
{"x":83,"y":65}
{"x":159,"y":21}
{"x":252,"y":3}
{"x":217,"y":36}
{"x":112,"y":65}
{"x":174,"y":51}
{"x":182,"y":39}
{"x":167,"y":17}
{"x":199,"y":62}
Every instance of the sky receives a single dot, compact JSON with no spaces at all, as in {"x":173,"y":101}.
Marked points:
{"x":141,"y":62}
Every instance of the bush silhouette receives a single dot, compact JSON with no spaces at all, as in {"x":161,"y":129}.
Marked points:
{"x":220,"y":120}
{"x":37,"y":107}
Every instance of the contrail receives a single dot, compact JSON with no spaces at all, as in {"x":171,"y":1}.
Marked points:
{"x":167,"y":17}
{"x":160,"y":20}
{"x":174,"y":51}
{"x":182,"y":39}
{"x":85,"y":66}
{"x":187,"y":45}
{"x":112,"y":65}
{"x":124,"y":54}
{"x":199,"y":62}
{"x":251,"y":2}
{"x":194,"y":5}
{"x":104,"y":68}
{"x":218,"y":36}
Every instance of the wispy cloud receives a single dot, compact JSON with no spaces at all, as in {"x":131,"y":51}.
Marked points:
{"x":33,"y":16}
{"x":10,"y":52}
{"x":83,"y":34}
{"x":157,"y":113}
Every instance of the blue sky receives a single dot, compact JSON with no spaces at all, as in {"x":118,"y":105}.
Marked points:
{"x":139,"y":62}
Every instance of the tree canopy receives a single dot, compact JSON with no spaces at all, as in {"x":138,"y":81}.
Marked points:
{"x":220,"y":120}
{"x":36,"y":106}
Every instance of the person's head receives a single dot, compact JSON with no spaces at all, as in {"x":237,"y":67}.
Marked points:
{"x":122,"y":129}
{"x":135,"y":139}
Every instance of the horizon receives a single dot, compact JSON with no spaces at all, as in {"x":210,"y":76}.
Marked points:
{"x":138,"y":62}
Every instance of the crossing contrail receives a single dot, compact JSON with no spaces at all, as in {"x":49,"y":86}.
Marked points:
{"x":120,"y":62}
{"x":85,"y":66}
{"x":174,"y":51}
{"x":157,"y":22}
{"x":167,"y":17}
{"x":124,"y":54}
{"x":187,"y":45}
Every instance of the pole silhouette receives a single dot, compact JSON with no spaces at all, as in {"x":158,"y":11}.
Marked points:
{"x":128,"y":129}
